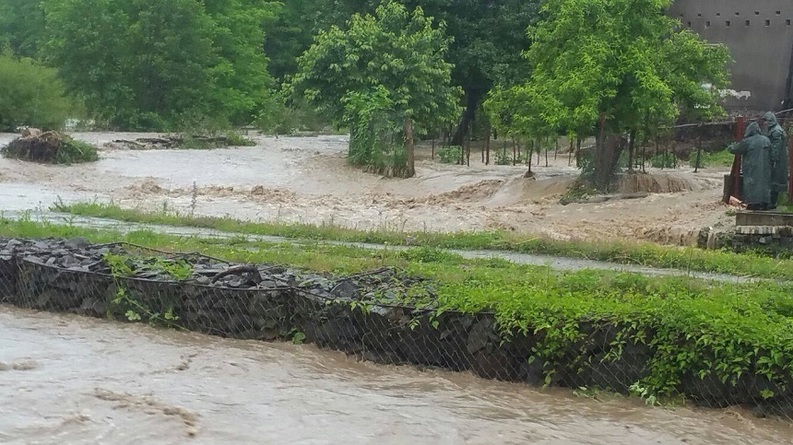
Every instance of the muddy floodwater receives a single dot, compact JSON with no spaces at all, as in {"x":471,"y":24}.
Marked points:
{"x":67,"y":379}
{"x":307,"y":180}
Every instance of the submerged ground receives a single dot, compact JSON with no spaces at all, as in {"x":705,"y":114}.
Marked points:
{"x":306,"y":179}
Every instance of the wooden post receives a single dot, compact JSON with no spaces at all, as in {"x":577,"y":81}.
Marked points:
{"x":733,"y":187}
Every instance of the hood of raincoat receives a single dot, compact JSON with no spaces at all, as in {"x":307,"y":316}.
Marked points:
{"x":752,"y":130}
{"x":770,"y":119}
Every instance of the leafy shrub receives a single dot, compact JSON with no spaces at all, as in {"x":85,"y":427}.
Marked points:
{"x":503,"y":158}
{"x":74,"y":152}
{"x":30,"y":95}
{"x":237,"y":140}
{"x":212,"y":140}
{"x":721,"y":158}
{"x":275,"y":117}
{"x":451,"y":154}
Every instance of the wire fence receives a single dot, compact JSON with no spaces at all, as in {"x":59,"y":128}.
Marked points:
{"x":365,"y":315}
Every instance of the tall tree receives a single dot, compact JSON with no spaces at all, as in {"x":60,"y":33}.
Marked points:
{"x":620,"y":64}
{"x":30,"y":94}
{"x":488,"y":37}
{"x":160,"y":64}
{"x":21,"y":26}
{"x":391,"y":60}
{"x":297,"y":24}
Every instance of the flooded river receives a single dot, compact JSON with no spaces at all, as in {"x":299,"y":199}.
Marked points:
{"x":66,"y":379}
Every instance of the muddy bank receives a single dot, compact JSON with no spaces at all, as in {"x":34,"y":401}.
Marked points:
{"x":306,"y":180}
{"x":382,"y":316}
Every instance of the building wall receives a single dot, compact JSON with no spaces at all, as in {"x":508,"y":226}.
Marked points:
{"x":759,"y":34}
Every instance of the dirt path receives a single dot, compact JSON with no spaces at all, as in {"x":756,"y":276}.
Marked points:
{"x":307,"y":180}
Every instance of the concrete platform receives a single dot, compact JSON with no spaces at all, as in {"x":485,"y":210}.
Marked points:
{"x":759,"y":218}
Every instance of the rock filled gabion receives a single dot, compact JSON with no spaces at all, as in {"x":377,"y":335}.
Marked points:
{"x":368,"y":315}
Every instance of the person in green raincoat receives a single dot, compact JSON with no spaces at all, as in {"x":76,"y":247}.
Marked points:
{"x":779,"y":157}
{"x":755,"y":150}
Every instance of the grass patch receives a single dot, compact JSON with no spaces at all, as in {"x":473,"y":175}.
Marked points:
{"x":693,"y":327}
{"x":73,"y":152}
{"x":721,"y":158}
{"x":212,"y":141}
{"x":643,"y":254}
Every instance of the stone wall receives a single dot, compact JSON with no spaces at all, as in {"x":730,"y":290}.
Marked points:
{"x":767,"y":240}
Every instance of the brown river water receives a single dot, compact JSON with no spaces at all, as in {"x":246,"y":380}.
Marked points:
{"x":67,"y":379}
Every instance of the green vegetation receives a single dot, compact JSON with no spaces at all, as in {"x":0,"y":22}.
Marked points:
{"x":134,"y":310}
{"x":632,"y":74}
{"x":57,"y":149}
{"x":450,"y":155}
{"x":686,"y":258}
{"x":384,"y":77}
{"x":190,"y":141}
{"x":721,"y":158}
{"x":695,"y":328}
{"x":161,"y":65}
{"x":31,"y":95}
{"x":664,"y":160}
{"x":74,"y":152}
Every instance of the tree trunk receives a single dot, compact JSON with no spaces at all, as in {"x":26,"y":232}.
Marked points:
{"x":699,"y":156}
{"x":487,"y":147}
{"x":556,"y":148}
{"x":529,"y":174}
{"x":570,"y":153}
{"x":607,"y":153}
{"x":546,"y":153}
{"x":472,"y":99}
{"x":631,"y":147}
{"x":468,"y":151}
{"x":513,"y":152}
{"x":578,"y":152}
{"x":433,"y":148}
{"x":410,"y":148}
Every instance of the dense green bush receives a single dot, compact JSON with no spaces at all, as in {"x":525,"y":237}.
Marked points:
{"x":162,"y":65}
{"x":31,"y":95}
{"x":450,"y":155}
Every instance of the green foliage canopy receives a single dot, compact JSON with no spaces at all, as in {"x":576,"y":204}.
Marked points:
{"x":395,"y":49}
{"x":30,"y":94}
{"x":21,"y":27}
{"x":624,"y":61}
{"x":142,"y":64}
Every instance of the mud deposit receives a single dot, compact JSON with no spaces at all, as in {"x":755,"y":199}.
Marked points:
{"x":306,"y":179}
{"x":100,"y":382}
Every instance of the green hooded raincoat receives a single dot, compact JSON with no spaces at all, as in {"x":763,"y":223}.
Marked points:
{"x":779,"y":154}
{"x":755,"y":166}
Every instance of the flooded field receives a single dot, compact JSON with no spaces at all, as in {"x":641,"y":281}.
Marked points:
{"x":306,"y":179}
{"x":66,"y":379}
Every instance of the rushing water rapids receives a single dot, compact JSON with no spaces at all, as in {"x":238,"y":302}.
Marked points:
{"x":67,"y":379}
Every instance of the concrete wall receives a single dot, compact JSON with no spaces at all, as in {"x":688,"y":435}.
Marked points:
{"x":759,"y":34}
